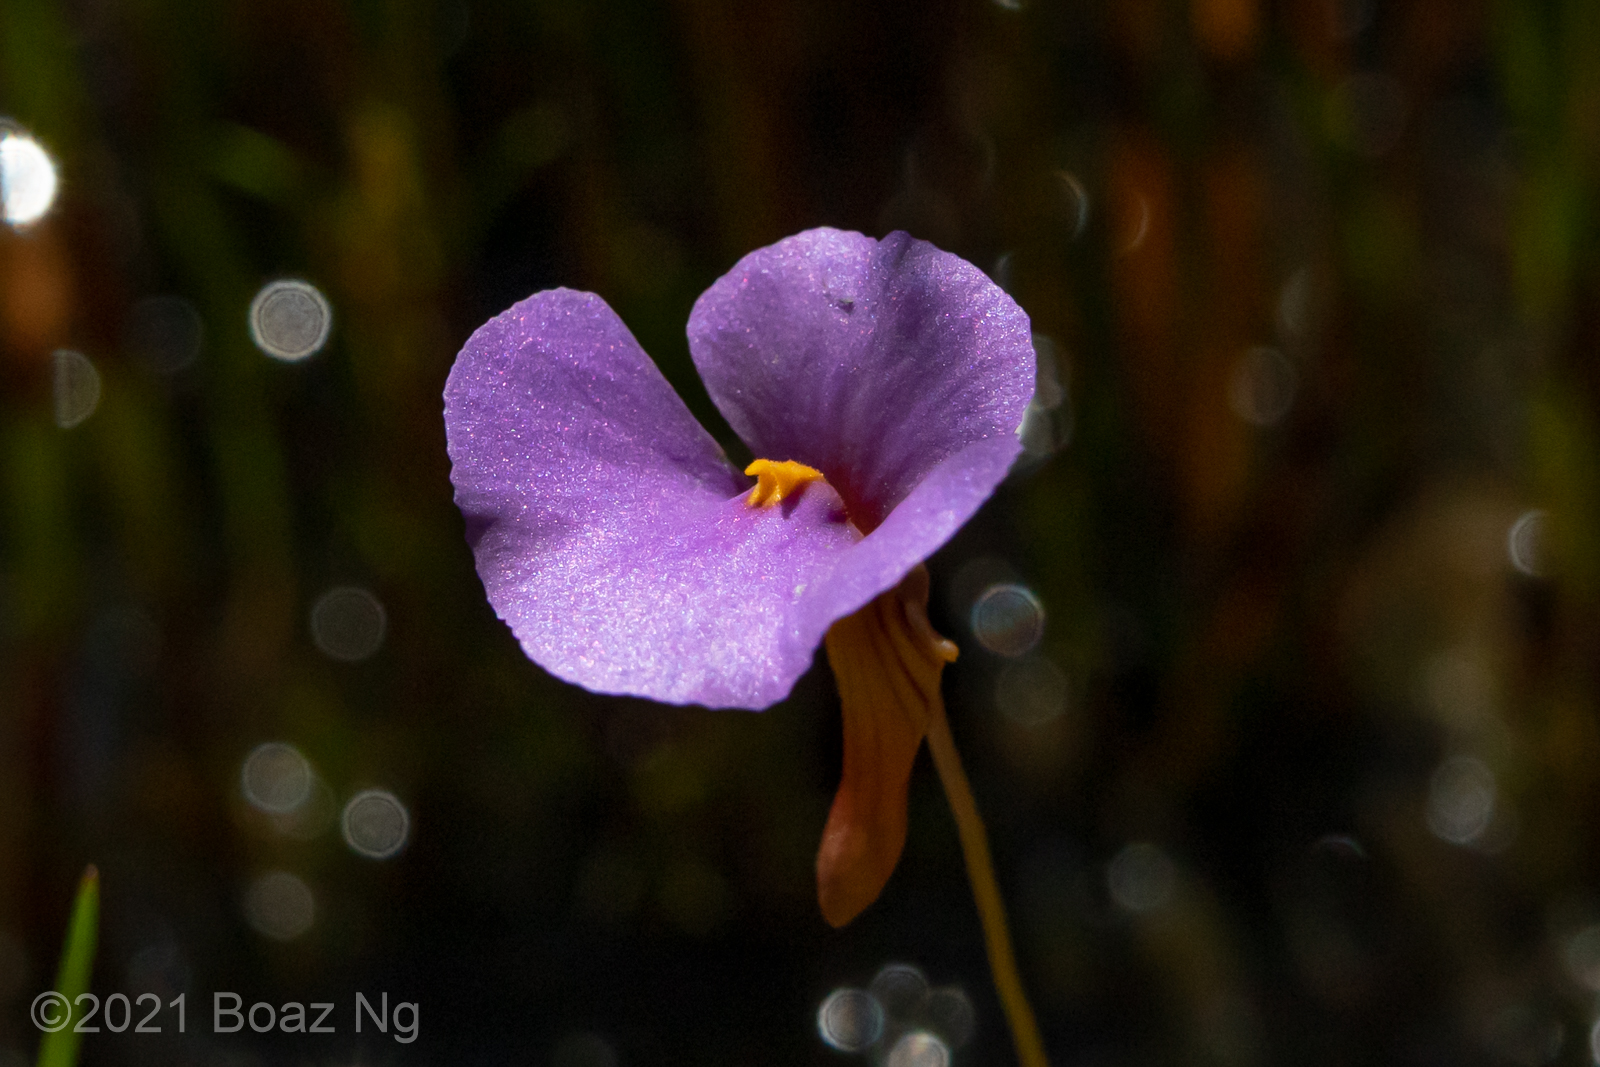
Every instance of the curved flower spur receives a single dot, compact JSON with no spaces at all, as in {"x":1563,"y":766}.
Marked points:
{"x":883,"y":384}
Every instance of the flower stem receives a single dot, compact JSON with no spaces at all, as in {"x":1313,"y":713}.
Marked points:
{"x":986,"y":891}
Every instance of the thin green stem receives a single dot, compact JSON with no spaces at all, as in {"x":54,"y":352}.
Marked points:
{"x":986,"y":891}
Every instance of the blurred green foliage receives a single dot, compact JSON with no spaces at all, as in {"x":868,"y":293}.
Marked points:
{"x":59,"y":1048}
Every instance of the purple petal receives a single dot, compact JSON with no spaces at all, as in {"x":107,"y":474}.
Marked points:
{"x":553,"y":405}
{"x":940,"y":504}
{"x":609,"y":530}
{"x":872,"y":361}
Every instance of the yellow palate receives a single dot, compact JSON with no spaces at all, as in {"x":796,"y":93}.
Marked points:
{"x":774,"y":481}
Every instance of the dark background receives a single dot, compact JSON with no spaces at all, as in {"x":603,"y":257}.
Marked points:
{"x":1284,"y":645}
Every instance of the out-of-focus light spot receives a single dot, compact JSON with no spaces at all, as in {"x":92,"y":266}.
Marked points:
{"x":850,"y":1020}
{"x":974,"y":576}
{"x":1294,"y":305}
{"x":583,"y":1049}
{"x":1342,"y":846}
{"x":1461,"y":800}
{"x":1048,"y":391}
{"x":164,"y":333}
{"x":1141,"y":878}
{"x":348,"y":623}
{"x":75,"y":387}
{"x":1001,"y":275}
{"x":919,"y":1049}
{"x":1048,"y":421}
{"x":276,"y":778}
{"x":1043,"y":433}
{"x":900,"y":988}
{"x":13,"y":966}
{"x":1594,"y":1041}
{"x":27,"y":179}
{"x":1032,"y":691}
{"x":949,"y":1011}
{"x":1077,"y":201}
{"x":290,"y":319}
{"x":1501,"y":832}
{"x":1582,"y":956}
{"x":1367,"y":113}
{"x":1526,"y":543}
{"x":1008,"y":620}
{"x":280,"y":906}
{"x":1263,"y":386}
{"x":1140,"y":228}
{"x":375,"y":824}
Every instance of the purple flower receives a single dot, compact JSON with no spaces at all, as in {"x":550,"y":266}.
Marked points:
{"x":881,"y":382}
{"x":614,"y":536}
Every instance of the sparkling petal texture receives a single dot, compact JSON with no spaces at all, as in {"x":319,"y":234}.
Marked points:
{"x":872,"y":361}
{"x":611,"y":532}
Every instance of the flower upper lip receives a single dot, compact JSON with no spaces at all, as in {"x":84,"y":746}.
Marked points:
{"x":899,"y":356}
{"x":609,"y":528}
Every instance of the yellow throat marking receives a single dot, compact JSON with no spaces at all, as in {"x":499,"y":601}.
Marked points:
{"x":774,"y":481}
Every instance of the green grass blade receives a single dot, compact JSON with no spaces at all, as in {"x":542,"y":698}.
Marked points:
{"x":60,"y":1049}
